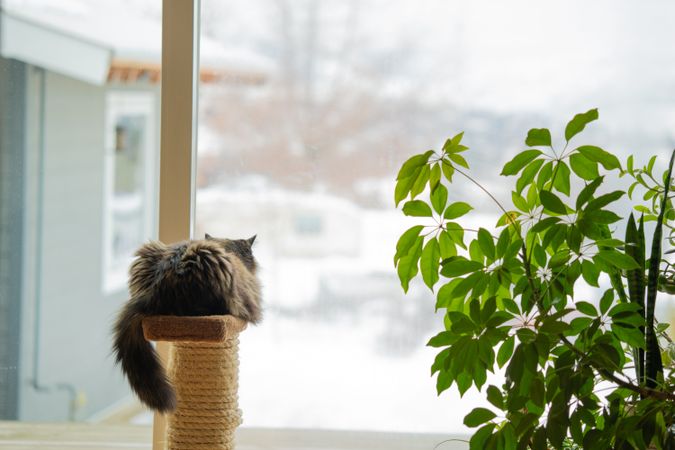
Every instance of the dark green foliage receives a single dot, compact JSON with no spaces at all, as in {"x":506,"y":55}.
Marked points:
{"x":510,"y":301}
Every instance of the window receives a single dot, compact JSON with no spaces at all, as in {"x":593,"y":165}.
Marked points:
{"x":307,"y":108}
{"x":306,"y":157}
{"x":130,"y":174}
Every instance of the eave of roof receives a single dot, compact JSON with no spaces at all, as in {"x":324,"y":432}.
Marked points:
{"x":53,"y":49}
{"x":98,"y":46}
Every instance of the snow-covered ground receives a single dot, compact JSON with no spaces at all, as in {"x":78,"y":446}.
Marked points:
{"x":341,"y":347}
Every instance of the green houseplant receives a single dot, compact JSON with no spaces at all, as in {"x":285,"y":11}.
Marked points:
{"x":578,"y":373}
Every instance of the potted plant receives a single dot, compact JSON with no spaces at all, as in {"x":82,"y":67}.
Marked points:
{"x":578,"y":372}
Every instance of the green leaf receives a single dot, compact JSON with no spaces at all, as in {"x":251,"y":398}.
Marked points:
{"x":474,"y":310}
{"x":544,"y":175}
{"x":430,"y":262}
{"x":602,"y":216}
{"x":445,"y":299}
{"x":553,"y":326}
{"x":439,"y":198}
{"x":538,"y":137}
{"x":606,"y":300}
{"x":486,"y":243}
{"x":584,"y":167}
{"x":494,"y":396}
{"x":579,"y":122}
{"x":562,"y":179}
{"x":406,"y":241}
{"x":456,"y":139}
{"x":475,"y":253}
{"x":497,"y":319}
{"x":544,"y":224}
{"x":586,"y":308}
{"x":587,"y":192}
{"x":478,"y":416}
{"x":519,"y":202}
{"x":407,"y":265}
{"x":604,"y":200}
{"x":458,"y":266}
{"x":617,"y":259}
{"x":635,"y":247}
{"x":446,"y":245}
{"x":442,"y":339}
{"x":458,"y":159}
{"x":579,"y":324}
{"x":596,"y":154}
{"x":511,"y":306}
{"x":403,"y":187}
{"x":421,"y":182}
{"x":505,"y":351}
{"x":413,"y":164}
{"x":590,"y":273}
{"x":489,"y":308}
{"x":447,"y":169}
{"x":466,"y":284}
{"x":461,"y":324}
{"x":435,"y":178}
{"x":443,"y":382}
{"x":440,"y":361}
{"x":537,"y":392}
{"x":528,"y":174}
{"x":628,"y":318}
{"x":589,"y":229}
{"x":557,"y":421}
{"x":417,"y":208}
{"x":630,"y":335}
{"x":552,"y":203}
{"x":479,"y":439}
{"x":456,"y":209}
{"x":456,"y":232}
{"x":463,"y":382}
{"x":503,"y":243}
{"x":574,"y":238}
{"x":519,"y":161}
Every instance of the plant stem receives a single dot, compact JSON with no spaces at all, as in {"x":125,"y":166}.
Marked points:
{"x":524,"y":255}
{"x":643,"y":391}
{"x":487,"y":192}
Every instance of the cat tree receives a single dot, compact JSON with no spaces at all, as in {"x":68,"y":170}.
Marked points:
{"x":203,"y":367}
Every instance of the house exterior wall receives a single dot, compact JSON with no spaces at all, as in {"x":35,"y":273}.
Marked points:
{"x":66,"y":369}
{"x":12,"y":106}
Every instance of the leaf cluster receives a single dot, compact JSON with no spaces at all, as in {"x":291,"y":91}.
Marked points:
{"x":511,"y":303}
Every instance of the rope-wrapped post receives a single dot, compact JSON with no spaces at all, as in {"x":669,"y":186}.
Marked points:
{"x":204,"y":370}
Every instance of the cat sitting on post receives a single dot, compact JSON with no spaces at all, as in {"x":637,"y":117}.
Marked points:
{"x":199,"y":277}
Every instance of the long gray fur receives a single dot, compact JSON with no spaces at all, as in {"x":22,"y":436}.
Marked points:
{"x":192,"y":278}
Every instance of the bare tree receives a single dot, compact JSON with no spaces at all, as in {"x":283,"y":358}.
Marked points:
{"x":322,"y":117}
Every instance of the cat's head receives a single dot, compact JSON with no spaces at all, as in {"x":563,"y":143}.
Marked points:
{"x":243,"y":248}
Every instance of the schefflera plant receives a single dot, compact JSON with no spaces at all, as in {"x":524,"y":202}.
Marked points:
{"x":576,"y":374}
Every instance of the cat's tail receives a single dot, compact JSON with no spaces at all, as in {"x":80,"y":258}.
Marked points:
{"x":140,"y":363}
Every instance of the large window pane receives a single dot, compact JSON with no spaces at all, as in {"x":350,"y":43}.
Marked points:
{"x":301,"y":142}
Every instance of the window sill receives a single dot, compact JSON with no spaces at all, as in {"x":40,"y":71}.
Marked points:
{"x":26,"y":435}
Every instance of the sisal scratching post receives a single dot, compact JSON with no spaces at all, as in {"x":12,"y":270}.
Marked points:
{"x":204,"y":370}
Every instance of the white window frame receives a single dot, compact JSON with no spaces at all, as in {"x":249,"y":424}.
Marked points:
{"x":178,"y":137}
{"x":119,"y":103}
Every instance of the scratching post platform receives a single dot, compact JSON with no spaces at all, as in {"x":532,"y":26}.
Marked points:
{"x":204,"y":370}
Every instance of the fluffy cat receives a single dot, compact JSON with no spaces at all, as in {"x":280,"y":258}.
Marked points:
{"x":192,"y":278}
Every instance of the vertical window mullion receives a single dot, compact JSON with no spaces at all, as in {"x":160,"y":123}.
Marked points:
{"x":178,"y":135}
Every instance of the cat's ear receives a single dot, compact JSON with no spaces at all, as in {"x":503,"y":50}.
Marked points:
{"x":251,"y":240}
{"x":207,"y":236}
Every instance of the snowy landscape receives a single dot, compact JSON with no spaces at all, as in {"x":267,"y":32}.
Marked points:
{"x":356,"y":88}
